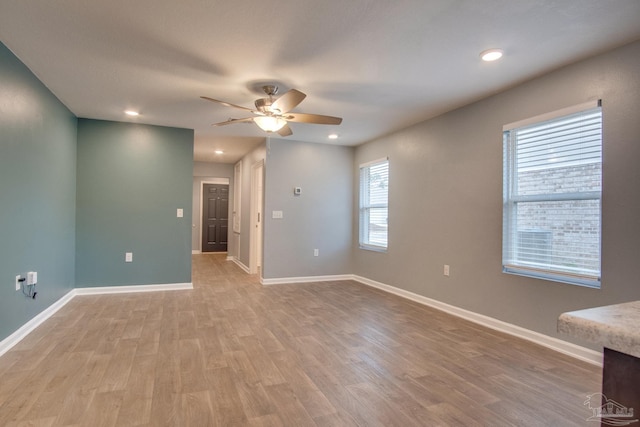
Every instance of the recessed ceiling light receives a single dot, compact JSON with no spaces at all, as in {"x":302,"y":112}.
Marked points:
{"x":333,"y":136}
{"x":219,"y":152}
{"x":131,"y":113}
{"x":491,"y":54}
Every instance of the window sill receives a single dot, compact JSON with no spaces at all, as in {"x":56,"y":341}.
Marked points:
{"x":578,"y":280}
{"x":373,"y":248}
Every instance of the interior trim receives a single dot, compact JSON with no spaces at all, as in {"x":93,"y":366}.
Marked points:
{"x":582,"y":353}
{"x":13,"y":339}
{"x":554,"y":114}
{"x":104,"y":290}
{"x":307,"y":279}
{"x":564,"y":347}
{"x":238,"y":263}
{"x":9,"y":342}
{"x":578,"y":352}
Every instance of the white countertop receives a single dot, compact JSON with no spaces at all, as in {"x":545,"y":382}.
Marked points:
{"x":614,"y":326}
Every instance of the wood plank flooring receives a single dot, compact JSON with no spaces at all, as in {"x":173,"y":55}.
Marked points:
{"x":234,"y":353}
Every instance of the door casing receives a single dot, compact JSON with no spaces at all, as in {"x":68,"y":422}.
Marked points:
{"x":257,"y":216}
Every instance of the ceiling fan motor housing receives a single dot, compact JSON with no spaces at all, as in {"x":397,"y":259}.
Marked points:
{"x":263,"y":105}
{"x":270,"y":89}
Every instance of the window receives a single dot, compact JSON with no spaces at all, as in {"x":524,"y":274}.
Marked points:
{"x":552,"y":196}
{"x":374,"y":205}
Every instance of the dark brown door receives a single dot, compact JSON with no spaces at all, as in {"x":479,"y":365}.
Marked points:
{"x":215,"y":217}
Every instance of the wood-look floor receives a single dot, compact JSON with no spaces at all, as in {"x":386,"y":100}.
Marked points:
{"x":234,"y":353}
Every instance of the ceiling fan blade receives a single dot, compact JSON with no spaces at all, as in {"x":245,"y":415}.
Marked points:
{"x":285,"y":131}
{"x":232,"y":121}
{"x":288,"y":101}
{"x":227,"y":104}
{"x":313,"y":118}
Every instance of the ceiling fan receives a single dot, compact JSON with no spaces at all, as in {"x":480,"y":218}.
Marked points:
{"x":272,"y":115}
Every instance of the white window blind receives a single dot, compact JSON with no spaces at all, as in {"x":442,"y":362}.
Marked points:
{"x":552,"y":197}
{"x":374,"y":206}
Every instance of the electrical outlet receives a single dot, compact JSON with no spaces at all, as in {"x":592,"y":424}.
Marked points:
{"x":446,"y":270}
{"x":128,"y":257}
{"x":32,"y":278}
{"x":316,"y":252}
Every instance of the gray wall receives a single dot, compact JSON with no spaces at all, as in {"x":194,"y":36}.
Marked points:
{"x":446,"y":198}
{"x":131,"y":178}
{"x":202,"y":172}
{"x":320,"y":218}
{"x":37,"y":192}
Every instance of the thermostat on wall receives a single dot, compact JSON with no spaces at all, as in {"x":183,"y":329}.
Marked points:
{"x":297,"y":191}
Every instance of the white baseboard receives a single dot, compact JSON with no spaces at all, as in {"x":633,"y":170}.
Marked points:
{"x":133,"y":288}
{"x":573,"y":350}
{"x":578,"y":352}
{"x":13,"y":339}
{"x":564,"y":347}
{"x":199,"y":252}
{"x":240,"y":264}
{"x":306,"y":279}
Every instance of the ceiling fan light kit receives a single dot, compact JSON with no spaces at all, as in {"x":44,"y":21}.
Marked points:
{"x":270,"y":123}
{"x":273,"y":115}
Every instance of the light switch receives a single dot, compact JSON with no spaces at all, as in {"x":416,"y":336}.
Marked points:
{"x":180,"y":213}
{"x":276,"y":214}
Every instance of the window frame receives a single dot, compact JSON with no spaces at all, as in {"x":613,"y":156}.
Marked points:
{"x":364,"y":207}
{"x":528,"y":268}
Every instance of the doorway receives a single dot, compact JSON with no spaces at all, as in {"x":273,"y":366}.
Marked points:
{"x":215,"y":217}
{"x":257,"y":190}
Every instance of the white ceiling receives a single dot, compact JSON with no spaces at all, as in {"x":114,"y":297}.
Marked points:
{"x":381,"y":65}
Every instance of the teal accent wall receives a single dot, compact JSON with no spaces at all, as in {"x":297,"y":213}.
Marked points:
{"x":131,"y":179}
{"x":37,"y":193}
